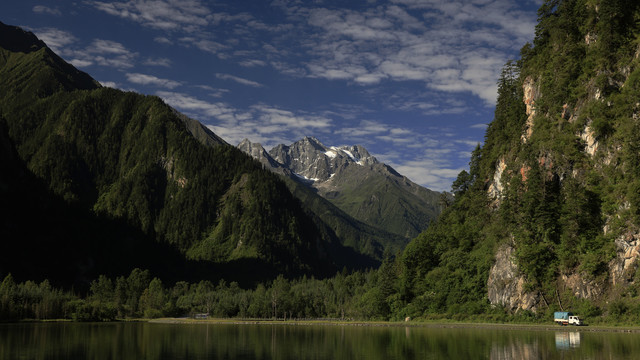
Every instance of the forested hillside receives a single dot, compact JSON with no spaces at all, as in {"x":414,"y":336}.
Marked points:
{"x":91,"y":169}
{"x":548,"y":216}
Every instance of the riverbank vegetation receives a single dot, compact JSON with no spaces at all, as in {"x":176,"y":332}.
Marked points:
{"x":358,"y":296}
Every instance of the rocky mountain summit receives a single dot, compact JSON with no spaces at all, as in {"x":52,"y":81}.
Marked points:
{"x":313,"y":161}
{"x":355,"y":181}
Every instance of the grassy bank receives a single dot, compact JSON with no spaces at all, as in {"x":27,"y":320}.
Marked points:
{"x":426,"y":324}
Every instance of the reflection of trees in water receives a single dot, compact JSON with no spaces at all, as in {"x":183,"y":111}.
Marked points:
{"x":270,"y":341}
{"x":516,"y":350}
{"x":527,"y":348}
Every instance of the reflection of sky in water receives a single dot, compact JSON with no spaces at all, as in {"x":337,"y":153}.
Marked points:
{"x":567,"y":340}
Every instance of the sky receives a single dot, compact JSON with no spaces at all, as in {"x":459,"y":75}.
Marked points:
{"x":413,"y":81}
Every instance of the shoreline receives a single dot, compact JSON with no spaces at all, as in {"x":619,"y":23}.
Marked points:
{"x":412,"y":324}
{"x":415,"y":324}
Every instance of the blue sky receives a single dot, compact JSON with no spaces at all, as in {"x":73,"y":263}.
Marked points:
{"x":413,"y":81}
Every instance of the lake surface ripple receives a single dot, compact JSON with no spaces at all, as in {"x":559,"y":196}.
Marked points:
{"x":273,"y":341}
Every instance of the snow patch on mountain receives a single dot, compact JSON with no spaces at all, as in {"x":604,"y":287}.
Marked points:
{"x":350,"y":155}
{"x":331,"y":153}
{"x":306,"y":178}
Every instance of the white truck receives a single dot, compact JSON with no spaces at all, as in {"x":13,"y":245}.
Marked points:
{"x":566,"y":318}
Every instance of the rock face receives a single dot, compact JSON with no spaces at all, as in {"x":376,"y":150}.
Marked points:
{"x":531,"y":93}
{"x":623,"y":266}
{"x":581,"y":287}
{"x":496,"y":187}
{"x":256,"y":151}
{"x":354,"y":181}
{"x":313,"y":161}
{"x":588,"y":136}
{"x":505,"y":284}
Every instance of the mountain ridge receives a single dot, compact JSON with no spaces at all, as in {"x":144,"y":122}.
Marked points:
{"x":132,"y":161}
{"x":356,"y":182}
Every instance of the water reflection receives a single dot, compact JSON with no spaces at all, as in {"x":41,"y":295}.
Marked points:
{"x":228,"y":341}
{"x":517,"y":350}
{"x":567,"y":340}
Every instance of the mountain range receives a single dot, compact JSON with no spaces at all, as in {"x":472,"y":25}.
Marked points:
{"x":547,"y":217}
{"x":118,"y":175}
{"x":116,"y":180}
{"x":356,"y":182}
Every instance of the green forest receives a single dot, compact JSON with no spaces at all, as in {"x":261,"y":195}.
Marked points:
{"x":218,"y":234}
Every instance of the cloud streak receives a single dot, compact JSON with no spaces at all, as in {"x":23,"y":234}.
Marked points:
{"x":238,"y":80}
{"x":42,"y":9}
{"x":450,"y":46}
{"x":399,"y":64}
{"x":99,"y":52}
{"x":56,"y":39}
{"x":164,"y":15}
{"x":144,"y":79}
{"x":428,"y":163}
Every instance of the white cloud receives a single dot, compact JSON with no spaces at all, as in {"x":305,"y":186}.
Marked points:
{"x":430,"y":168}
{"x":99,"y":52}
{"x":365,"y":128}
{"x":158,"y":62}
{"x":80,"y":62}
{"x":42,"y":9}
{"x":56,"y":39}
{"x":163,"y":40}
{"x":205,"y":45}
{"x":252,"y":63}
{"x":422,"y":57}
{"x":262,"y":123}
{"x":451,"y":46}
{"x":160,"y":14}
{"x":428,"y":174}
{"x":204,"y":110}
{"x":144,"y":79}
{"x":291,"y":120}
{"x":239,"y":80}
{"x":110,"y":84}
{"x":100,"y":46}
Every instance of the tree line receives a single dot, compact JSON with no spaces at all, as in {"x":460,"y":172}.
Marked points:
{"x":353,"y":295}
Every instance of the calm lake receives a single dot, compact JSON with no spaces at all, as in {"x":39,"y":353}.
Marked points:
{"x":228,"y":341}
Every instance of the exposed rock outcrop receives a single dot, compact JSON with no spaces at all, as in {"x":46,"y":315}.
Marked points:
{"x":622,"y":268}
{"x":256,"y":151}
{"x":582,"y":288}
{"x":506,"y":286}
{"x":312,"y":160}
{"x":496,"y":187}
{"x":591,"y":142}
{"x":531,"y":93}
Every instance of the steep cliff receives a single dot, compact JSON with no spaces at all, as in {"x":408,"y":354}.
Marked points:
{"x":548,"y":217}
{"x":578,"y":152}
